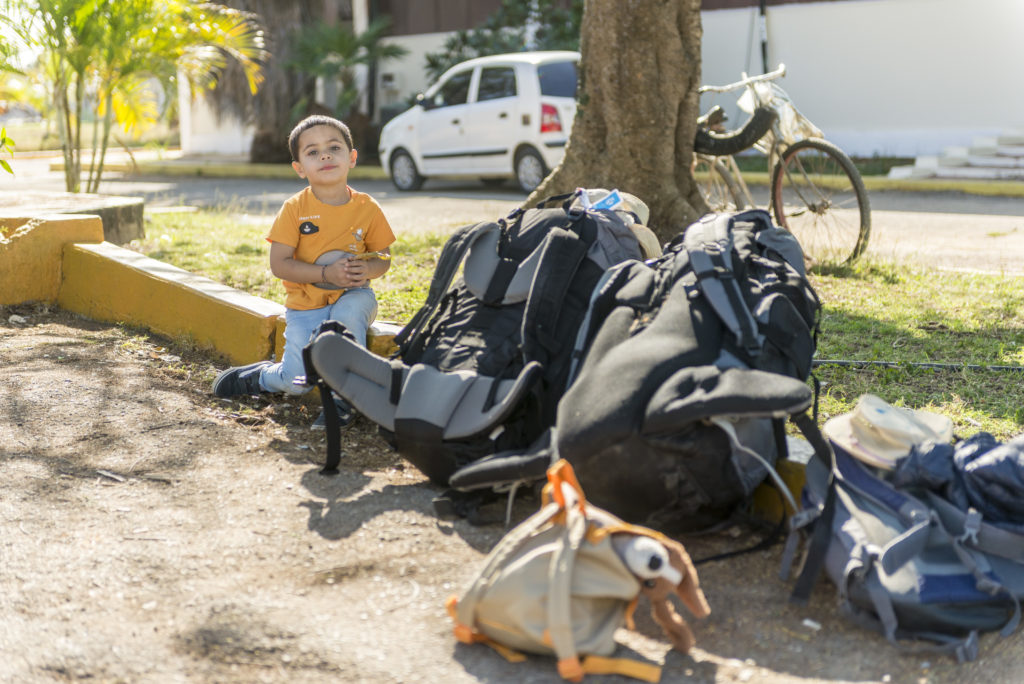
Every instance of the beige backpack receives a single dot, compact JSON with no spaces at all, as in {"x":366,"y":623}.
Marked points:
{"x":564,"y":580}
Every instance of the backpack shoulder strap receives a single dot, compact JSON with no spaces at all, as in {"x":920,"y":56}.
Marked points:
{"x":447,"y":264}
{"x":561,"y":255}
{"x":821,"y":533}
{"x":602,"y":299}
{"x":708,"y":242}
{"x":332,"y":422}
{"x":971,"y":528}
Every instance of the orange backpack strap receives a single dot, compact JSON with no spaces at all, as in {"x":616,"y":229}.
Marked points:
{"x":561,"y":473}
{"x":626,"y":667}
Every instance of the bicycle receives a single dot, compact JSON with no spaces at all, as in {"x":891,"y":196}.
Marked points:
{"x":816,"y":192}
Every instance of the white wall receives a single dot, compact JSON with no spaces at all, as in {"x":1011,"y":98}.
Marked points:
{"x":407,"y":74}
{"x":892,"y":77}
{"x":202,"y":133}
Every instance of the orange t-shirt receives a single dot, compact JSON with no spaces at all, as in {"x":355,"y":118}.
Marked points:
{"x":313,"y":227}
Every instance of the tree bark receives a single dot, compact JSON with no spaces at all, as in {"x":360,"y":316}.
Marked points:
{"x":637,"y":109}
{"x":271,"y":109}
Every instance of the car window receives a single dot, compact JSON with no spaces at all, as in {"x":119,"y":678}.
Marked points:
{"x":557,"y":79}
{"x":496,"y":83}
{"x":454,"y":91}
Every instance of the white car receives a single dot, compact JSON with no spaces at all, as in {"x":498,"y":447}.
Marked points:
{"x":493,"y":118}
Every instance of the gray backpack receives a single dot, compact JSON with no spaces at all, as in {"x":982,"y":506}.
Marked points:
{"x":482,"y":364}
{"x":687,"y":367}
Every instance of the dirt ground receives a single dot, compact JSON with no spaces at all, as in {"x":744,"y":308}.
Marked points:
{"x":150,"y":532}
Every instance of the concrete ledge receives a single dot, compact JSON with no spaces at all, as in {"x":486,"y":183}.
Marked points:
{"x":380,"y":338}
{"x":109,"y":283}
{"x":31,"y":254}
{"x":122,"y":216}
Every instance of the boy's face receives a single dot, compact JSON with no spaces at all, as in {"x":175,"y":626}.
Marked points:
{"x":324,"y":157}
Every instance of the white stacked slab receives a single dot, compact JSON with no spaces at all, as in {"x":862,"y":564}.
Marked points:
{"x":992,"y":158}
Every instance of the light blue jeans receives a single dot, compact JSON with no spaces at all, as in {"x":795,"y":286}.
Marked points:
{"x":355,"y":309}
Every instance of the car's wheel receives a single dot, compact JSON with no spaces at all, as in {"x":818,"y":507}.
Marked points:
{"x":404,"y":173}
{"x":530,"y":169}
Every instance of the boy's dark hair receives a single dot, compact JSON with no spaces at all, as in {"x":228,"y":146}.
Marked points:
{"x":310,"y":122}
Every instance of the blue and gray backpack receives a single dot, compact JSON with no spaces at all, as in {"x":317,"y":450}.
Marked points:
{"x":916,"y":558}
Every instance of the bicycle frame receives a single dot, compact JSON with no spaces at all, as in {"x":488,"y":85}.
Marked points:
{"x":789,"y":127}
{"x":812,"y":183}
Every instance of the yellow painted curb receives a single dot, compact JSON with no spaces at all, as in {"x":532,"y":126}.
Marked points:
{"x":31,"y":253}
{"x":380,"y":338}
{"x":109,"y":283}
{"x":767,"y":501}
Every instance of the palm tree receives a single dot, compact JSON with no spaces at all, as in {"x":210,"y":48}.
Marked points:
{"x":8,"y":52}
{"x":308,"y":42}
{"x":272,"y":110}
{"x":103,"y":54}
{"x":7,"y":147}
{"x":333,"y":52}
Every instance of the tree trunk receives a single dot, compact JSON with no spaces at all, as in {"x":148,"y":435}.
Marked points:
{"x":271,"y":110}
{"x":638,"y":107}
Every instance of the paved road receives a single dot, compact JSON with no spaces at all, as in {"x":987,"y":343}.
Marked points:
{"x":948,"y":229}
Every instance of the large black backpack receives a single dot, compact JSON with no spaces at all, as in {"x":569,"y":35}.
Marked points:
{"x":482,"y":364}
{"x":692,"y":363}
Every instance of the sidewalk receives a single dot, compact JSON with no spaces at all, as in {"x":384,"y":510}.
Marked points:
{"x":172,"y":162}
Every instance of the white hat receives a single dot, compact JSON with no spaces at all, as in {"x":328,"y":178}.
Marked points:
{"x":879,"y":434}
{"x":637,"y":206}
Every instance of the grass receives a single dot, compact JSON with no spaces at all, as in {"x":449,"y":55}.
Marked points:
{"x":905,"y":315}
{"x":868,"y":166}
{"x":232,"y":249}
{"x":871,"y":312}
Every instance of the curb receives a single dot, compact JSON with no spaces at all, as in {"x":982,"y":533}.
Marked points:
{"x":988,"y":188}
{"x":63,"y":260}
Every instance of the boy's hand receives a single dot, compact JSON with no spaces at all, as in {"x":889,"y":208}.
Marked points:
{"x":347,"y":273}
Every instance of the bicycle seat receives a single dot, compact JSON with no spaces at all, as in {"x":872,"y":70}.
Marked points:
{"x":713,"y":120}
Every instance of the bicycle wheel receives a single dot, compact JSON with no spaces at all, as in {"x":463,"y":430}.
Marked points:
{"x":819,"y":197}
{"x":717,"y":186}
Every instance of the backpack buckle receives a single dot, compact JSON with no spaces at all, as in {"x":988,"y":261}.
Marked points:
{"x":972,"y":525}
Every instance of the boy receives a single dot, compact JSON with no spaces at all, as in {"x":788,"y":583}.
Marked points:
{"x":327,"y":216}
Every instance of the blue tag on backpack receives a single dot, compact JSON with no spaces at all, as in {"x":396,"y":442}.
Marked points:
{"x":613,"y":200}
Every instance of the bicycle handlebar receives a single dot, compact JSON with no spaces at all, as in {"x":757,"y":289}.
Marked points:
{"x":747,"y":80}
{"x":706,"y":142}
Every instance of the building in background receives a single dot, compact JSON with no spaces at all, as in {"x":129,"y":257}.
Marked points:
{"x":885,"y":77}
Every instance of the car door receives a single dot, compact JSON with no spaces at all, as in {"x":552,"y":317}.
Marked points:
{"x":442,"y":126}
{"x":493,"y":119}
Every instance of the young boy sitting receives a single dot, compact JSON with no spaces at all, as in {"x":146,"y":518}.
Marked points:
{"x":326,"y":244}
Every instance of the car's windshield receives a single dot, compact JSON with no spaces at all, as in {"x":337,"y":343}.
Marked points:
{"x":454,"y":91}
{"x":557,"y":79}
